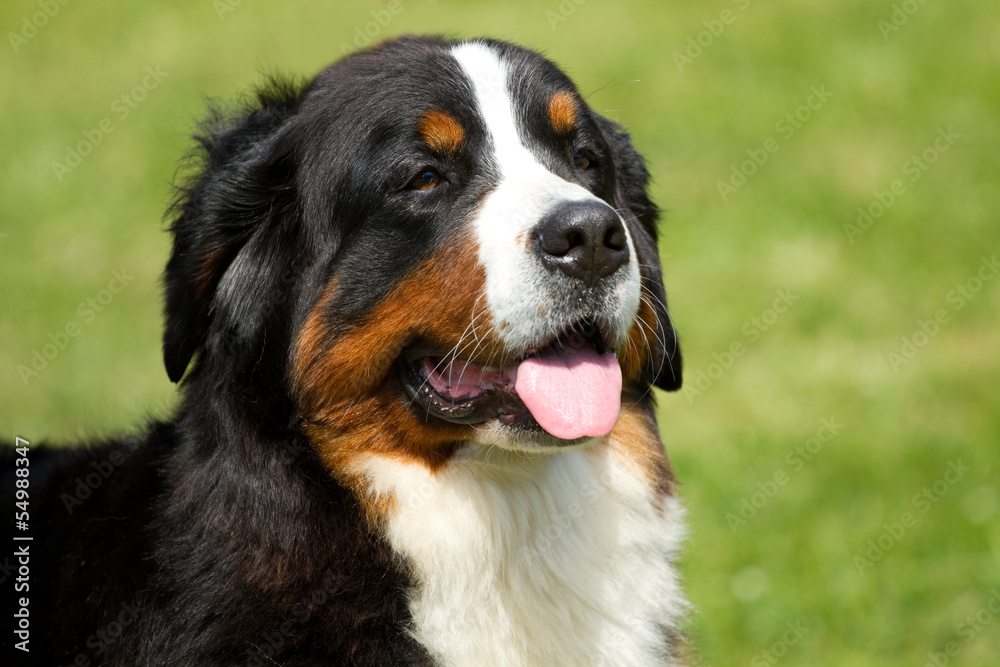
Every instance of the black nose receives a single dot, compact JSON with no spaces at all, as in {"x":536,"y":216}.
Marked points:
{"x":584,"y":240}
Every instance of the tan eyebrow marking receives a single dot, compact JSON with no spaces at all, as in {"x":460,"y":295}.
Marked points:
{"x":562,"y":112}
{"x":441,"y":131}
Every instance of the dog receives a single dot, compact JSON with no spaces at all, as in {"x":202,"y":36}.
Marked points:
{"x":416,"y":310}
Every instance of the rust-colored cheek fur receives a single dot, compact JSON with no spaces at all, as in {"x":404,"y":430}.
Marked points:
{"x":636,"y":440}
{"x":346,"y":381}
{"x":635,"y":358}
{"x":352,"y":405}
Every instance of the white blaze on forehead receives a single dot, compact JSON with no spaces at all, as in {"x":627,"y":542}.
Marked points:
{"x":519,"y":290}
{"x":489,"y":76}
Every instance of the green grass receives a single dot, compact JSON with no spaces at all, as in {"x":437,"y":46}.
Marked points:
{"x":827,"y":356}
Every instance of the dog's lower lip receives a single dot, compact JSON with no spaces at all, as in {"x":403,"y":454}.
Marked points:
{"x":490,"y":403}
{"x":492,"y":396}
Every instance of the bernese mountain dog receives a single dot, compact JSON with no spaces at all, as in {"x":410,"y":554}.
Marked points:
{"x":416,"y":309}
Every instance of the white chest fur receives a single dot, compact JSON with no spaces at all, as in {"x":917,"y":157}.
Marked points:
{"x":542,"y":560}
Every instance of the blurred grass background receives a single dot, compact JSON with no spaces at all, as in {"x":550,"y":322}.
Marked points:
{"x":740,"y":427}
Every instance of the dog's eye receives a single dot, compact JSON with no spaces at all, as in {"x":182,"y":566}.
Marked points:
{"x":583,"y":160}
{"x":427,"y":178}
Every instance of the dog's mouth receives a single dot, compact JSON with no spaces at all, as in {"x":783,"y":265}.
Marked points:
{"x":570,"y":386}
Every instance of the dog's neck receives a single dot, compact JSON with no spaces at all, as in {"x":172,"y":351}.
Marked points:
{"x":516,"y":559}
{"x":555,"y":559}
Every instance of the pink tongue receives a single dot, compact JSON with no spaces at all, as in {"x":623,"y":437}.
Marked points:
{"x":571,"y":392}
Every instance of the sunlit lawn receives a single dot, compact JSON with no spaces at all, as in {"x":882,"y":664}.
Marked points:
{"x":837,"y":438}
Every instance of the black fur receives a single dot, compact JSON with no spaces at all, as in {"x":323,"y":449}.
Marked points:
{"x":219,"y":538}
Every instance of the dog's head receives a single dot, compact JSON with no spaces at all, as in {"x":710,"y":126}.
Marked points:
{"x":432,"y":242}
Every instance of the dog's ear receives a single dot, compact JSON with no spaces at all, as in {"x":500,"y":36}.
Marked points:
{"x":244,"y":182}
{"x":632,"y":200}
